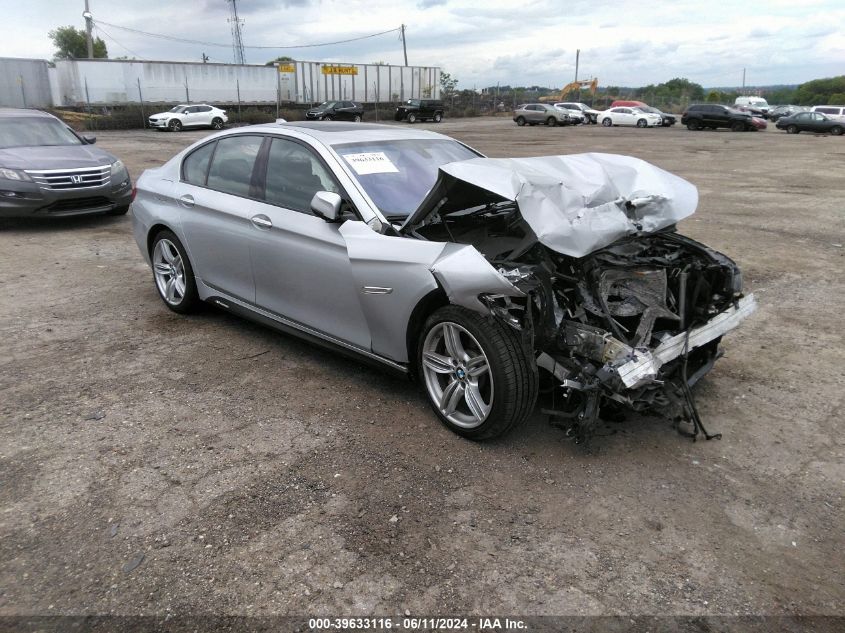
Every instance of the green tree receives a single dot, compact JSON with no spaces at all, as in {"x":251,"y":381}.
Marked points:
{"x":447,"y":85}
{"x":281,"y":60}
{"x":70,"y":44}
{"x":819,"y":91}
{"x":714,"y":96}
{"x":836,"y":99}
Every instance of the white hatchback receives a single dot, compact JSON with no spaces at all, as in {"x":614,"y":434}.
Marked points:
{"x":630,"y":116}
{"x":184,"y":116}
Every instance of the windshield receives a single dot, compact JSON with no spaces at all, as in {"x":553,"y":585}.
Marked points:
{"x":326,"y":105}
{"x":398,"y":174}
{"x":35,"y":132}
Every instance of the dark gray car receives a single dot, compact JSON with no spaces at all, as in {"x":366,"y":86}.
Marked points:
{"x":47,"y":169}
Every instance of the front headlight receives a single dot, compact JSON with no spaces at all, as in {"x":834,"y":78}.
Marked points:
{"x":118,"y":169}
{"x":14,"y":174}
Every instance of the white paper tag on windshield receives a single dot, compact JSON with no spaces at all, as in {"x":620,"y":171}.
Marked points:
{"x":370,"y":163}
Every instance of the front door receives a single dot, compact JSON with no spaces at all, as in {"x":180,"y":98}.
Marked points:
{"x":300,"y":262}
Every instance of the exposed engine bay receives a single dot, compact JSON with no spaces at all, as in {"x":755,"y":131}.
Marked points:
{"x":634,"y":324}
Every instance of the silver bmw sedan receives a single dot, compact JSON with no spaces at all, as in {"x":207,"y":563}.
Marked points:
{"x":480,"y":277}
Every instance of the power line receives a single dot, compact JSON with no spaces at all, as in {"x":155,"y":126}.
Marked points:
{"x":188,"y":41}
{"x":100,"y":29}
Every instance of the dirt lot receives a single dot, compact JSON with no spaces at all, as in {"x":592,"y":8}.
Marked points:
{"x":259,"y":475}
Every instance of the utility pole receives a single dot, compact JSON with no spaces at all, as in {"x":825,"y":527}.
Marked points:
{"x":237,"y":40}
{"x":577,"y":59}
{"x":404,"y":47}
{"x":88,"y":24}
{"x":743,"y":81}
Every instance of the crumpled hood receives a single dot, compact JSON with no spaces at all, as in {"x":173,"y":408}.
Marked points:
{"x":54,"y":157}
{"x":575,"y":204}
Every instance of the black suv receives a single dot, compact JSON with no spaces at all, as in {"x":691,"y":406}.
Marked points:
{"x":419,"y":110}
{"x":336,"y":111}
{"x":707,"y":115}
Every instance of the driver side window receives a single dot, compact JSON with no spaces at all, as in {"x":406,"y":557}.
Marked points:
{"x":294,"y":175}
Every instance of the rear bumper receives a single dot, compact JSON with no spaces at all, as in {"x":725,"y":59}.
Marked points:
{"x":24,"y":200}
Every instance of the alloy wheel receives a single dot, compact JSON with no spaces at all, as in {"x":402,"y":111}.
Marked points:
{"x":169,"y":271}
{"x":457,"y":375}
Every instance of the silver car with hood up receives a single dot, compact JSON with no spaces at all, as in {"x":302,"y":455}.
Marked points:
{"x":481,"y":277}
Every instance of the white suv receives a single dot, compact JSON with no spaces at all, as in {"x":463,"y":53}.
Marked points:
{"x":590,"y":115}
{"x":183,"y":116}
{"x":833,"y":112}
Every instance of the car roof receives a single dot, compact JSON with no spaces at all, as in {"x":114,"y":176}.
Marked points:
{"x":11,"y":113}
{"x":336,"y":133}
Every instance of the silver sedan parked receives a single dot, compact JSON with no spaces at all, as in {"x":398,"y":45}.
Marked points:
{"x":478,"y":276}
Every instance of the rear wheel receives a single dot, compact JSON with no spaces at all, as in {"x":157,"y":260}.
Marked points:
{"x":520,"y":121}
{"x":792,"y":129}
{"x":217,"y":123}
{"x":694,"y":125}
{"x":412,"y":118}
{"x":357,"y":118}
{"x":606,"y":122}
{"x":642,"y":123}
{"x":836,"y":130}
{"x":438,"y":118}
{"x":738,"y":126}
{"x":479,"y":378}
{"x":551,"y":121}
{"x":175,"y":125}
{"x":174,"y":276}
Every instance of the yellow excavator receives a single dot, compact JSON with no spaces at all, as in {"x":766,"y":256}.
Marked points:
{"x":575,"y":86}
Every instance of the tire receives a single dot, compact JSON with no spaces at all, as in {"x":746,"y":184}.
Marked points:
{"x":121,"y":210}
{"x":792,"y":129}
{"x":520,"y":121}
{"x":174,"y":125}
{"x":505,"y":387}
{"x":217,"y":123}
{"x":328,"y":117}
{"x":606,"y":122}
{"x":171,"y":264}
{"x":357,"y":118}
{"x":438,"y":118}
{"x":836,"y":130}
{"x":694,"y":125}
{"x":642,"y":123}
{"x":412,"y":118}
{"x":551,"y":121}
{"x":738,"y":126}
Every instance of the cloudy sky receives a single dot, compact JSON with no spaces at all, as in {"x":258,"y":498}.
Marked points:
{"x":481,"y":43}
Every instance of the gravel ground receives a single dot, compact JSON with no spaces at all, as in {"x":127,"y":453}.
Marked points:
{"x":158,"y":464}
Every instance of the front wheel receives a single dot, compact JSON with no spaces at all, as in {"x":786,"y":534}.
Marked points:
{"x":694,"y":125}
{"x":606,"y":122}
{"x":479,"y":378}
{"x":551,"y":121}
{"x":738,"y":126}
{"x":836,"y":130}
{"x":438,"y":118}
{"x":175,"y":125}
{"x":173,"y":273}
{"x":642,"y":123}
{"x":217,"y":123}
{"x":357,"y":118}
{"x":328,"y":117}
{"x":412,"y":118}
{"x":520,"y":121}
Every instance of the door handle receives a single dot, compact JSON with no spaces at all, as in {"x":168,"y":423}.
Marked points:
{"x":262,"y":221}
{"x":187,"y":200}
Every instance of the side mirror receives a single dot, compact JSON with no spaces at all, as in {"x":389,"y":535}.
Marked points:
{"x":89,"y":140}
{"x":326,"y":205}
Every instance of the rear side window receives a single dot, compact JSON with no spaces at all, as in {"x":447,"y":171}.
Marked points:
{"x":231,"y":166}
{"x":294,"y":175}
{"x":195,"y":166}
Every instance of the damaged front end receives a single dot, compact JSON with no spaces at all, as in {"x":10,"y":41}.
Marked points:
{"x":634,"y":323}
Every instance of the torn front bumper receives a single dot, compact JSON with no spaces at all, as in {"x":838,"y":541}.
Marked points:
{"x":643,"y":365}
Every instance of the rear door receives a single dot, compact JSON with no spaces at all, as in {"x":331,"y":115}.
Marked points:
{"x":300,"y":261}
{"x":217,"y":197}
